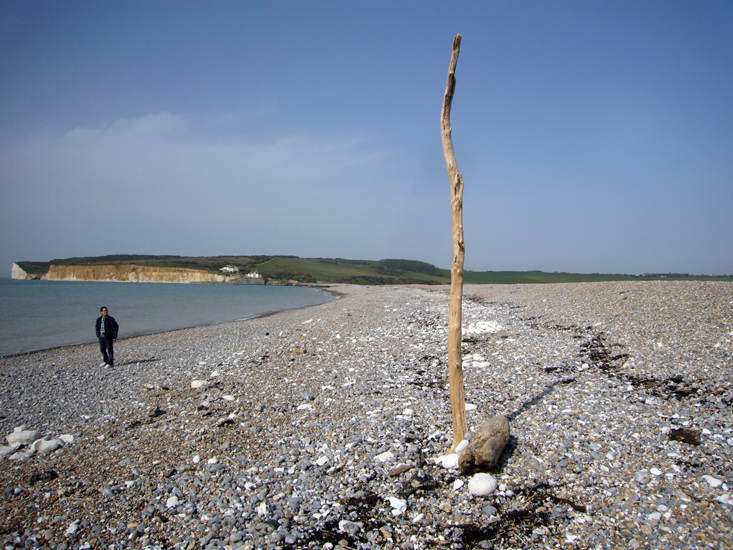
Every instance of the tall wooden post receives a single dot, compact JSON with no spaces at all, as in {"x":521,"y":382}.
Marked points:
{"x":455,"y":364}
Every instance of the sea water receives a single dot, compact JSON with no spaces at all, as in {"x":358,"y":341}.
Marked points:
{"x":45,"y":314}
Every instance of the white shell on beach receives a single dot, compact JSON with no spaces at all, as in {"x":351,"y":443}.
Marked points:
{"x":398,"y":505}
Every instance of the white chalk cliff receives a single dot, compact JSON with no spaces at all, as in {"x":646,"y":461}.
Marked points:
{"x":18,"y":273}
{"x":126,"y":273}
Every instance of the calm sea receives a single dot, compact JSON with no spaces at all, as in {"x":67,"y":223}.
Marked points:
{"x":44,"y":314}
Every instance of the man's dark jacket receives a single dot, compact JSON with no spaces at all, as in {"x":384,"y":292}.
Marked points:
{"x":110,"y":328}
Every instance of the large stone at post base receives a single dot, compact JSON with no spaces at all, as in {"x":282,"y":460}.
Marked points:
{"x":486,"y":446}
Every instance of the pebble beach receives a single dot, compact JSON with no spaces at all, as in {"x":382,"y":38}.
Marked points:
{"x":327,"y":427}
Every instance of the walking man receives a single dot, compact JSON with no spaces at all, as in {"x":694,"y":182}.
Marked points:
{"x":107,"y":333}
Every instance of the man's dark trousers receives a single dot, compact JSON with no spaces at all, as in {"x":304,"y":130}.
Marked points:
{"x":107,"y":349}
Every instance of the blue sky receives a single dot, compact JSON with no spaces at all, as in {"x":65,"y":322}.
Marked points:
{"x":592,"y":136}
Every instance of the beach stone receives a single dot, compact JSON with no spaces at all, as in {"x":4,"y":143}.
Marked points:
{"x":21,"y":436}
{"x":485,"y":448}
{"x":350,"y":527}
{"x":489,"y":510}
{"x":482,"y":485}
{"x":22,"y":455}
{"x":449,"y":462}
{"x":385,"y":457}
{"x":642,"y":477}
{"x":199,"y":384}
{"x":713,"y":482}
{"x":46,"y":445}
{"x":402,"y":468}
{"x":4,"y":451}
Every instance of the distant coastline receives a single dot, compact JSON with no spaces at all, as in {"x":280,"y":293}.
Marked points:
{"x":125,"y":273}
{"x":289,"y":270}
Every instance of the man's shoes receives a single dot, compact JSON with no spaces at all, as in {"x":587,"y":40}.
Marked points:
{"x":104,"y":364}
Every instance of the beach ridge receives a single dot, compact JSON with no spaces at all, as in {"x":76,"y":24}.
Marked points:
{"x":321,"y":425}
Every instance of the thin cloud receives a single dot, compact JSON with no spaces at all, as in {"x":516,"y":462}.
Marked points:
{"x":157,"y":172}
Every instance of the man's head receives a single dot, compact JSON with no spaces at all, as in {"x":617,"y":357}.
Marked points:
{"x":104,"y":311}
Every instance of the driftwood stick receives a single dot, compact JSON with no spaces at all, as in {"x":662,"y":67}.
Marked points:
{"x":455,"y":364}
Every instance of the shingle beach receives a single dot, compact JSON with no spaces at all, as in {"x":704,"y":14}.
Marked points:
{"x":320,"y":427}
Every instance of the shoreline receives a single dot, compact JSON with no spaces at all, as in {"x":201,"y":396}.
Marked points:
{"x":299,"y":408}
{"x":324,"y":289}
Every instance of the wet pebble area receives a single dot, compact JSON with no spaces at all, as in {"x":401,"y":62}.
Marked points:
{"x":319,"y":428}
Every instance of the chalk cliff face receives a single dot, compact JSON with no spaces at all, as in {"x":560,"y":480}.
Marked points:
{"x":18,"y":273}
{"x":132,"y":274}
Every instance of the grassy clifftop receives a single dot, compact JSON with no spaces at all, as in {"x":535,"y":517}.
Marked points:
{"x":339,"y":270}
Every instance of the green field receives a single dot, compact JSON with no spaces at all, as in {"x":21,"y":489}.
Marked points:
{"x":353,"y":271}
{"x":339,"y":270}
